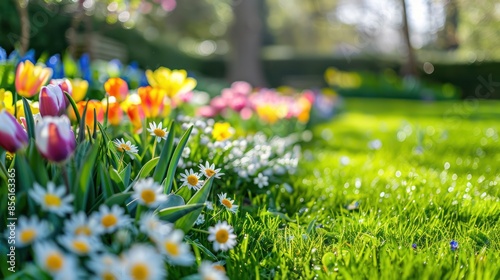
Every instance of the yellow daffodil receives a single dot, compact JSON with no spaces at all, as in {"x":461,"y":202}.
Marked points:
{"x":172,"y":81}
{"x":222,"y":131}
{"x":30,"y":78}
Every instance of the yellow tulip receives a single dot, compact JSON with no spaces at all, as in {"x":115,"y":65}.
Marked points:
{"x":6,"y":101}
{"x":80,"y":88}
{"x":172,"y":81}
{"x":20,"y":108}
{"x":30,"y":78}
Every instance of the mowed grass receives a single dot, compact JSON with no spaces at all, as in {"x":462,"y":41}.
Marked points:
{"x":434,"y":178}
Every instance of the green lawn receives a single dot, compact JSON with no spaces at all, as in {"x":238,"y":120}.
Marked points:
{"x":435,"y":178}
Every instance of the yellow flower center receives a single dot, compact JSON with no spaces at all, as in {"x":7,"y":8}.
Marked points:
{"x":219,"y":268}
{"x":192,"y":180}
{"x":159,"y":132}
{"x":148,"y":195}
{"x":209,"y":172}
{"x":172,"y":248}
{"x":108,"y":276}
{"x":81,"y":246}
{"x":222,"y":236}
{"x":54,"y":262}
{"x":28,"y":235}
{"x":226,"y":202}
{"x":109,"y":220}
{"x":124,"y":147}
{"x":52,"y":200}
{"x":83,"y":230}
{"x":139,"y":271}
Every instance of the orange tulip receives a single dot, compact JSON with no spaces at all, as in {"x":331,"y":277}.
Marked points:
{"x":89,"y":115}
{"x":152,"y":101}
{"x":30,"y":78}
{"x":117,"y":87}
{"x":115,"y":112}
{"x":133,"y":107}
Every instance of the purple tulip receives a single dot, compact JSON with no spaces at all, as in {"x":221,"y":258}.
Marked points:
{"x":52,"y":101}
{"x":12,"y":135}
{"x":54,"y":138}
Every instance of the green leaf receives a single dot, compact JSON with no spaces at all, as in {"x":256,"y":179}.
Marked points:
{"x":202,"y":248}
{"x":37,"y":163}
{"x":175,"y":160}
{"x":166,"y":154}
{"x":28,"y":115}
{"x":81,"y":132}
{"x":184,"y":192}
{"x":115,"y":176}
{"x":172,"y":214}
{"x":278,"y":214}
{"x":107,"y":187}
{"x":125,"y":174}
{"x":85,"y":178}
{"x":186,"y":222}
{"x":73,"y":105}
{"x":328,"y":261}
{"x":118,"y":199}
{"x":146,"y":168}
{"x":172,"y":200}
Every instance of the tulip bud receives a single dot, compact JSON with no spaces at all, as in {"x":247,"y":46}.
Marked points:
{"x":12,"y":135}
{"x":54,"y":138}
{"x":52,"y":101}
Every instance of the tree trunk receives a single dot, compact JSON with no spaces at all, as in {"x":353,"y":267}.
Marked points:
{"x":245,"y":62}
{"x":410,"y":67}
{"x":22,"y":10}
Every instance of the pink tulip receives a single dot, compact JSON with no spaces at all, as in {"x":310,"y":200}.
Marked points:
{"x":54,"y":138}
{"x":52,"y":101}
{"x":206,"y":112}
{"x":12,"y":135}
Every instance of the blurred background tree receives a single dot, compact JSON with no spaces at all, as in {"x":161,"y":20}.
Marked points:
{"x":276,"y":39}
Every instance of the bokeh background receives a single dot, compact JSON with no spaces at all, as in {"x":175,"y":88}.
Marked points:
{"x":423,"y":49}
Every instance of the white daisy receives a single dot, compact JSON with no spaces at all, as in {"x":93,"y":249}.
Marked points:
{"x":148,"y":192}
{"x":157,"y":131}
{"x":152,"y":226}
{"x":200,"y":220}
{"x":222,"y":235}
{"x":30,"y":230}
{"x":228,"y":203}
{"x":261,"y":181}
{"x":80,"y":224}
{"x":210,"y":271}
{"x":191,"y":180}
{"x":171,"y":245}
{"x":80,"y":244}
{"x":105,"y":267}
{"x":142,"y":262}
{"x":126,"y":147}
{"x":209,"y":170}
{"x":54,"y":261}
{"x":53,"y":199}
{"x":110,"y":219}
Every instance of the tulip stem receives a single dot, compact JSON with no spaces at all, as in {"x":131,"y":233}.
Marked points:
{"x":65,"y":176}
{"x":200,"y":230}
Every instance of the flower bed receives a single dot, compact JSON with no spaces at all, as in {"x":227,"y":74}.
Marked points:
{"x":112,"y":182}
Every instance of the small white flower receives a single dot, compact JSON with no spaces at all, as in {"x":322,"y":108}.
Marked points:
{"x":53,"y":199}
{"x":105,"y":266}
{"x":171,"y":245}
{"x":200,"y":220}
{"x":210,"y":171}
{"x":375,"y":144}
{"x":261,"y":180}
{"x":228,"y":203}
{"x":210,"y":205}
{"x":152,"y":226}
{"x":143,"y":262}
{"x":80,"y":224}
{"x":54,"y":261}
{"x":222,"y":236}
{"x":110,"y":219}
{"x":186,"y":152}
{"x":126,"y":147}
{"x":211,"y":271}
{"x":80,"y":244}
{"x":30,"y":230}
{"x":157,"y":131}
{"x":191,"y":179}
{"x":148,"y":192}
